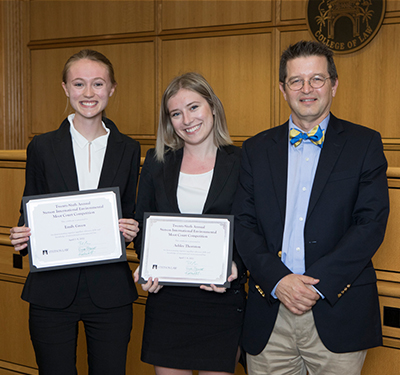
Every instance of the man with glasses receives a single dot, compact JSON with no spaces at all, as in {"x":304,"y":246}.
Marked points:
{"x":311,"y":211}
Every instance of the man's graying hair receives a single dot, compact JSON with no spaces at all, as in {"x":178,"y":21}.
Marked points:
{"x":306,"y":49}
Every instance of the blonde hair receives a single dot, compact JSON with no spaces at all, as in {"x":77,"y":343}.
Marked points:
{"x":92,"y":55}
{"x":166,"y":136}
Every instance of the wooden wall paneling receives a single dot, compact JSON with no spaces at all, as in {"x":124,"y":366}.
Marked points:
{"x":180,"y":14}
{"x":3,"y":41}
{"x":13,"y":15}
{"x":48,"y":101}
{"x":386,"y":258}
{"x":392,"y":156}
{"x":388,"y":331}
{"x":392,"y":5}
{"x":369,"y":83}
{"x":6,"y":262}
{"x":238,"y":68}
{"x":132,"y":105}
{"x":15,"y":344}
{"x":12,"y":182}
{"x":18,"y":369}
{"x":291,"y":10}
{"x":382,"y":361}
{"x":69,"y":19}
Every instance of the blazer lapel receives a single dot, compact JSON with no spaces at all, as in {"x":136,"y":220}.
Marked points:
{"x":222,"y":170}
{"x":277,"y":153}
{"x":112,"y":158}
{"x":64,"y":155}
{"x":333,"y":146}
{"x":173,"y":162}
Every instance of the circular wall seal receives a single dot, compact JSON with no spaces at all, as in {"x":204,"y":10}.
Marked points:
{"x":345,"y":25}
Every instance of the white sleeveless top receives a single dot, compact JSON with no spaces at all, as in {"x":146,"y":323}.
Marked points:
{"x":192,"y":191}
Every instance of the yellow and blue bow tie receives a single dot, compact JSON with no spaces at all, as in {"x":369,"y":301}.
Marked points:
{"x":316,"y":136}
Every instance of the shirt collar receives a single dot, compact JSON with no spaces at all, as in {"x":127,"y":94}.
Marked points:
{"x":81,"y":141}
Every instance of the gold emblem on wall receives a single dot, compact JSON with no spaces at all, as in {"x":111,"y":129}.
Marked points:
{"x":345,"y":25}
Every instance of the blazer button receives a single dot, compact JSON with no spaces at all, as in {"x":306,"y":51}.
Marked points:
{"x":339,"y":295}
{"x":280,"y":254}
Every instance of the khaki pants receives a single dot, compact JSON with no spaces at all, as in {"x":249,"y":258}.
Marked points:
{"x":295,"y":348}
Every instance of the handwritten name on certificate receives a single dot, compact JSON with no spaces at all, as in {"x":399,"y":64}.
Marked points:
{"x":187,"y":249}
{"x":73,"y":229}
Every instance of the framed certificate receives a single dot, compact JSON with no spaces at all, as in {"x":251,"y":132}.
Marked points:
{"x":74,"y":229}
{"x":191,"y":250}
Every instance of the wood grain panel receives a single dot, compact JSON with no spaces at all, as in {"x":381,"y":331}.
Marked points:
{"x":192,"y":14}
{"x":393,"y":158}
{"x":237,"y":67}
{"x":387,"y":257}
{"x":12,"y":182}
{"x":388,"y":331}
{"x":392,"y":5}
{"x":3,"y":132}
{"x":6,"y":264}
{"x":290,"y":10}
{"x":132,"y":105}
{"x":382,"y":361}
{"x":66,"y":19}
{"x":15,"y":344}
{"x":10,"y":369}
{"x":369,"y":84}
{"x":13,"y":78}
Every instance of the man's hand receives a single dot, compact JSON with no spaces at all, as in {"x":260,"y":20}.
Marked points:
{"x":297,"y":294}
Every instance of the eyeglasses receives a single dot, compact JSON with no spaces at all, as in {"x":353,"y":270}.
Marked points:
{"x":315,"y":82}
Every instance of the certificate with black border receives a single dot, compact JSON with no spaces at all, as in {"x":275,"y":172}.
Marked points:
{"x":182,"y":249}
{"x":74,"y":229}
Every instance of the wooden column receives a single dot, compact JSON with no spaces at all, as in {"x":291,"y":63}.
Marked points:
{"x":13,"y":77}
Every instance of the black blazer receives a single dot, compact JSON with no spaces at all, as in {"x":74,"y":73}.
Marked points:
{"x":50,"y":168}
{"x":159,"y":183}
{"x":345,"y":226}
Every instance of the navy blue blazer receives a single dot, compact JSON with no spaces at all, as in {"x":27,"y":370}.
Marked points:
{"x":345,"y":226}
{"x":159,"y":183}
{"x":50,"y":168}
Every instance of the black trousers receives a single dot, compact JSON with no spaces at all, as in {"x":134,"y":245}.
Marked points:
{"x":54,"y":335}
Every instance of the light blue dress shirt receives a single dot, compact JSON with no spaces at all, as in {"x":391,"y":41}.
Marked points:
{"x":302,"y":165}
